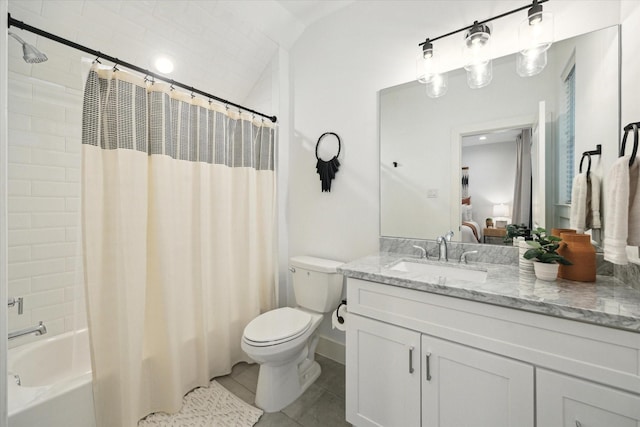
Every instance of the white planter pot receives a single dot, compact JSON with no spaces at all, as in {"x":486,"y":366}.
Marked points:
{"x":545,"y":271}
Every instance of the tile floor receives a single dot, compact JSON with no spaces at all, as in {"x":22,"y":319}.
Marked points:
{"x":322,"y":405}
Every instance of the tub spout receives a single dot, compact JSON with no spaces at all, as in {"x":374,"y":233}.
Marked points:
{"x":41,"y":329}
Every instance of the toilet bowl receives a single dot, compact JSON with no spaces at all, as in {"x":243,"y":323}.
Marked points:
{"x":283,"y":341}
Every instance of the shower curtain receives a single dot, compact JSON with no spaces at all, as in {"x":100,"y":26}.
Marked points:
{"x":178,"y":214}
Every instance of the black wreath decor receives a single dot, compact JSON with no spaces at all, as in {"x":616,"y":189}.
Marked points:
{"x":327,"y":169}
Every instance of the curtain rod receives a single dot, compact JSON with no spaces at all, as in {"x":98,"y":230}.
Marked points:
{"x":116,"y":61}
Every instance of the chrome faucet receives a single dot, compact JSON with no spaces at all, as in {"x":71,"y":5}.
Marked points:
{"x":442,"y":243}
{"x":423,"y":251}
{"x":41,"y":329}
{"x":463,"y":257}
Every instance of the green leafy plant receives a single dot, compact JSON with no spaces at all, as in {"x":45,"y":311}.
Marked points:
{"x":516,"y":230}
{"x":544,"y":248}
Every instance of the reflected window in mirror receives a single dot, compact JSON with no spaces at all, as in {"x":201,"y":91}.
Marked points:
{"x":567,"y":135}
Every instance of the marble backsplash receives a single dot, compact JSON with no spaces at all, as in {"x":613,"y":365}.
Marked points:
{"x":495,"y":254}
{"x":629,"y":274}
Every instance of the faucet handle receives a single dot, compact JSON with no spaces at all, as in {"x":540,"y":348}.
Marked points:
{"x":423,"y":251}
{"x":449,"y":235}
{"x":463,"y":257}
{"x":13,"y":301}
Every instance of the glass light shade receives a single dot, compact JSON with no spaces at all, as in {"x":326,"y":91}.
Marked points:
{"x":531,"y":62}
{"x":438,"y":85}
{"x":477,"y":59}
{"x":536,"y":32}
{"x":426,"y":66}
{"x":479,"y":75}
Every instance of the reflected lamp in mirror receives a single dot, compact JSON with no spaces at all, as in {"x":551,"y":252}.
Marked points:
{"x":535,"y":36}
{"x":501,"y":215}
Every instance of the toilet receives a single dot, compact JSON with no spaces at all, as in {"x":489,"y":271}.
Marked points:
{"x":283,"y":341}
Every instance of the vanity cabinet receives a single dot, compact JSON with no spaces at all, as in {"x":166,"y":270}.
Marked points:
{"x":385,"y":374}
{"x":463,"y":386}
{"x":422,"y":359}
{"x":564,"y":401}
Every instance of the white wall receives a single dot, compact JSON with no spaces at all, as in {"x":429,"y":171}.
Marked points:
{"x":339,"y":64}
{"x":492,"y":171}
{"x":3,"y":213}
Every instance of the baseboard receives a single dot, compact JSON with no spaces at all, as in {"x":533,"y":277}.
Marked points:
{"x":331,"y":349}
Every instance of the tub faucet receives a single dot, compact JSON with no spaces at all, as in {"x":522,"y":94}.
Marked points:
{"x":41,"y":329}
{"x":442,"y":244}
{"x":423,"y":251}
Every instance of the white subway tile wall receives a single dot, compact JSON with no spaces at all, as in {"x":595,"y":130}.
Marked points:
{"x":213,"y":49}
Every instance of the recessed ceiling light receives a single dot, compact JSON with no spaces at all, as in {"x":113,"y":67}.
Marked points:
{"x":482,"y":138}
{"x":163,"y":64}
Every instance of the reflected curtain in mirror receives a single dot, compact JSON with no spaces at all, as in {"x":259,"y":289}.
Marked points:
{"x":521,"y":211}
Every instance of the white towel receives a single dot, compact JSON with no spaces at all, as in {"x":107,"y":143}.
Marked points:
{"x":622,"y":207}
{"x":594,"y":181}
{"x":578,"y":216}
{"x":634,"y":204}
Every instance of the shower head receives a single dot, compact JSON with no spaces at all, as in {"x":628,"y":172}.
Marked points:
{"x":30,"y":54}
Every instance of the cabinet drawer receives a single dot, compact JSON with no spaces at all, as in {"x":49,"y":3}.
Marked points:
{"x":571,"y":402}
{"x":606,"y":355}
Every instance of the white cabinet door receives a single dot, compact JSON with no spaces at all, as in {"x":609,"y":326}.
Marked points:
{"x":564,"y":401}
{"x":383,"y":374}
{"x":467,"y":387}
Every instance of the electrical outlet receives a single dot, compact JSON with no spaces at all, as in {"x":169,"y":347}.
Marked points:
{"x":432,"y":193}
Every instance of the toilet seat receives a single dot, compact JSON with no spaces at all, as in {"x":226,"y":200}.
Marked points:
{"x":276,"y":327}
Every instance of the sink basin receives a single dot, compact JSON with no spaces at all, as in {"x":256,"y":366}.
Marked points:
{"x":446,"y":271}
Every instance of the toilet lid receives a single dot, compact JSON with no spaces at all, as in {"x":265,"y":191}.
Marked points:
{"x":277,"y":325}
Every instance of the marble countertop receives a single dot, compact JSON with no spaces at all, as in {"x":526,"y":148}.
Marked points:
{"x":607,"y":302}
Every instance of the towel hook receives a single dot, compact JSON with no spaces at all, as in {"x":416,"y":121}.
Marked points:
{"x":634,"y":152}
{"x":588,"y":167}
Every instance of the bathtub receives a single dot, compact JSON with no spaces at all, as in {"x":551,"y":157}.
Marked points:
{"x":55,"y":383}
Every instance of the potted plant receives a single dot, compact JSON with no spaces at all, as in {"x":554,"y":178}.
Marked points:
{"x":544,"y":253}
{"x":516,"y":230}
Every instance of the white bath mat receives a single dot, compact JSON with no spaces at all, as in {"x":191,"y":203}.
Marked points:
{"x":207,"y":407}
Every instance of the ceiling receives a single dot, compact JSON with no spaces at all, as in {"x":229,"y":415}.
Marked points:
{"x":503,"y":135}
{"x":309,"y":11}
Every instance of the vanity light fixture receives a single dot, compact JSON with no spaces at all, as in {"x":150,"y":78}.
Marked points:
{"x":535,"y":36}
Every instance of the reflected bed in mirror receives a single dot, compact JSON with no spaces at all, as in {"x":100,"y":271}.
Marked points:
{"x":570,"y":107}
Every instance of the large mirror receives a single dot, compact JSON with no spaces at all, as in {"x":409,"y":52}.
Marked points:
{"x":509,"y":151}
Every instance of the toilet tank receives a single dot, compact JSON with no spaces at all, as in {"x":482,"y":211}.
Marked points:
{"x":316,"y":284}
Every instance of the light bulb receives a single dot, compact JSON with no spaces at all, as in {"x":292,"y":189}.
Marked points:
{"x":163,"y":64}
